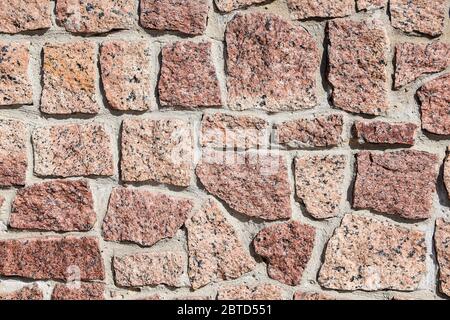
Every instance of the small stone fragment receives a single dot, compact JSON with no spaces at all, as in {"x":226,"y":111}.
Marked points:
{"x":252,"y":183}
{"x":434,"y":98}
{"x":300,"y":295}
{"x":79,"y":291}
{"x":32,"y":292}
{"x":370,"y":254}
{"x":287,"y":247}
{"x":144,"y":217}
{"x":247,"y":292}
{"x":442,"y":244}
{"x":189,"y":17}
{"x":24,"y":15}
{"x":230,"y":5}
{"x":149,"y":269}
{"x":418,"y":16}
{"x":399,"y":183}
{"x":319,"y":183}
{"x":322,"y":131}
{"x":271,"y":64}
{"x":157,"y":150}
{"x":447,"y":171}
{"x":125,"y":71}
{"x":357,"y":66}
{"x":13,"y":153}
{"x":215,"y":250}
{"x":60,"y":205}
{"x":371,"y":4}
{"x":379,"y":132}
{"x":188,"y":76}
{"x":304,"y":9}
{"x":72,"y":150}
{"x":222,"y":130}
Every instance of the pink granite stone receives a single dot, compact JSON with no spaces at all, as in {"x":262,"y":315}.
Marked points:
{"x":263,"y":291}
{"x":24,"y":15}
{"x":305,"y":9}
{"x":371,"y":4}
{"x":13,"y":153}
{"x":442,"y":245}
{"x":313,"y":296}
{"x":379,"y":132}
{"x":32,"y":292}
{"x":79,"y":291}
{"x":230,"y":5}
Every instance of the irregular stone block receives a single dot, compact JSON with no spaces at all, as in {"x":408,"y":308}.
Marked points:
{"x":379,"y":132}
{"x":304,"y":9}
{"x":13,"y":153}
{"x":246,"y":292}
{"x":24,"y":15}
{"x":79,"y":291}
{"x":442,"y":244}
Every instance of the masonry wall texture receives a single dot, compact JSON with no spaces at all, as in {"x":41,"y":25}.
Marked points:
{"x":224,"y":149}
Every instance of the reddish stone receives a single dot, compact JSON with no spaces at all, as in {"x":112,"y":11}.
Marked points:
{"x":247,"y":292}
{"x":400,"y":183}
{"x":300,"y":295}
{"x":442,"y":244}
{"x":287,"y":247}
{"x":304,"y":9}
{"x":79,"y":291}
{"x":379,"y":132}
{"x":230,"y":5}
{"x":60,"y":205}
{"x":253,"y":183}
{"x":189,"y":17}
{"x":371,"y":4}
{"x":447,"y":172}
{"x":144,"y":217}
{"x":357,"y":66}
{"x":32,"y":292}
{"x":434,"y":98}
{"x":188,"y":77}
{"x":13,"y":153}
{"x":24,"y":15}
{"x":271,"y":64}
{"x":53,"y":258}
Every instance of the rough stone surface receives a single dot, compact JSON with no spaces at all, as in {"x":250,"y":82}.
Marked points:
{"x":79,"y":291}
{"x":149,"y":269}
{"x":442,"y":244}
{"x":413,"y":60}
{"x":157,"y":150}
{"x":188,"y":76}
{"x":370,"y":254}
{"x":371,"y":4}
{"x":215,"y":250}
{"x":72,"y":150}
{"x":53,"y":258}
{"x":95,"y":16}
{"x":304,"y":9}
{"x":287,"y":248}
{"x":59,"y":205}
{"x":379,"y":132}
{"x":144,"y":217}
{"x":258,"y":46}
{"x":255,"y":183}
{"x":447,"y":172}
{"x":319,"y":183}
{"x":321,"y":131}
{"x":14,"y":18}
{"x":418,"y":16}
{"x":246,"y":292}
{"x":400,"y":183}
{"x":32,"y":292}
{"x":230,"y":5}
{"x":13,"y":152}
{"x":125,"y":72}
{"x":300,"y":295}
{"x":189,"y":17}
{"x":15,"y":85}
{"x":69,"y":78}
{"x":222,"y":130}
{"x":434,"y":98}
{"x":357,"y":66}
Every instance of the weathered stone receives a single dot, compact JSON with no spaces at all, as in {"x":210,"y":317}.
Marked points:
{"x":188,"y":77}
{"x":24,"y":15}
{"x":271,"y":64}
{"x":149,"y":269}
{"x":252,"y":183}
{"x":300,"y":295}
{"x":322,"y":131}
{"x":125,"y":71}
{"x":304,"y":9}
{"x":222,"y":130}
{"x":144,"y":217}
{"x":247,"y":292}
{"x":189,"y":17}
{"x":357,"y":66}
{"x":60,"y":205}
{"x":95,"y":16}
{"x":15,"y":85}
{"x":215,"y":250}
{"x":412,"y":60}
{"x":447,"y":171}
{"x":53,"y":258}
{"x":434,"y":98}
{"x":380,"y":132}
{"x":230,"y":5}
{"x":32,"y":292}
{"x":79,"y":291}
{"x":400,"y":183}
{"x":418,"y":16}
{"x":319,"y":183}
{"x":442,"y":244}
{"x":369,"y":254}
{"x":371,"y":4}
{"x":287,"y":247}
{"x":157,"y":150}
{"x":13,"y":153}
{"x":72,"y":150}
{"x":69,"y":78}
